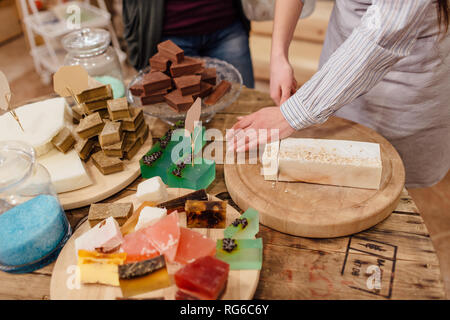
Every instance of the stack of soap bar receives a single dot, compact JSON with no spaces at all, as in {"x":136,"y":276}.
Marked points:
{"x":90,"y":126}
{"x":95,"y":94}
{"x":171,"y":51}
{"x":157,"y":63}
{"x":118,"y":109}
{"x":193,"y":245}
{"x":240,"y":254}
{"x":206,"y":214}
{"x":245,"y":227}
{"x":188,"y":84}
{"x":64,"y":140}
{"x":66,"y":170}
{"x":104,"y":237}
{"x":138,"y":246}
{"x":111,"y":133}
{"x":149,"y":216}
{"x":100,"y":268}
{"x":100,"y":211}
{"x":31,"y":230}
{"x":203,"y":279}
{"x":115,"y":150}
{"x":156,"y":81}
{"x":334,"y":162}
{"x":133,"y":122}
{"x":143,"y":276}
{"x":187,"y":66}
{"x":165,"y":235}
{"x":178,"y":204}
{"x":152,"y":189}
{"x":197,"y":176}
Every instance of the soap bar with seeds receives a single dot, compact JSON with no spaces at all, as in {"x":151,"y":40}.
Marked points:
{"x":101,"y":211}
{"x":95,"y":94}
{"x":218,"y":92}
{"x":206,"y":214}
{"x":107,"y":165}
{"x":111,"y":133}
{"x":90,"y":126}
{"x":64,"y":140}
{"x":133,"y":122}
{"x":118,"y":109}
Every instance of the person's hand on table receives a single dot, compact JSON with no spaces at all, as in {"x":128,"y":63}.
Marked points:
{"x":282,"y":80}
{"x":269,"y":118}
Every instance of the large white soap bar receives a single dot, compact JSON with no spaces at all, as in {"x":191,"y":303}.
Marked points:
{"x":149,"y":216}
{"x":66,"y":170}
{"x":269,"y":160}
{"x":104,"y":237}
{"x":41,"y":121}
{"x":332,"y":162}
{"x":152,"y":189}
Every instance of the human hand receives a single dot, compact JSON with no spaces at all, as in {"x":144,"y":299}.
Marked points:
{"x":282,"y":80}
{"x":269,"y":118}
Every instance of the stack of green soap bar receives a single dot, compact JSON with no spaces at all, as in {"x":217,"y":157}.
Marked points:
{"x":245,"y":227}
{"x":246,"y":254}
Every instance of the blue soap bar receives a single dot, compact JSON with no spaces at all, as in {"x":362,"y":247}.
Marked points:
{"x":31,"y":230}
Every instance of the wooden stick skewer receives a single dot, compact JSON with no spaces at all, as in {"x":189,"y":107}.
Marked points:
{"x":13,"y":112}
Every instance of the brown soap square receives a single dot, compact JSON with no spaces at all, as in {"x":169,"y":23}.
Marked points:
{"x":64,"y":140}
{"x":116,"y":149}
{"x":205,"y":90}
{"x":159,"y":62}
{"x":90,"y":126}
{"x":77,"y":113}
{"x":155,"y":81}
{"x":133,"y":122}
{"x":90,"y":107}
{"x":154,"y":97}
{"x":111,"y":133}
{"x":178,"y":102}
{"x":209,"y":75}
{"x":188,"y":84}
{"x":137,"y":89}
{"x":107,"y":165}
{"x":187,"y":67}
{"x":118,"y":109}
{"x":84,"y":148}
{"x":95,"y":94}
{"x":101,"y":211}
{"x":171,"y":51}
{"x":218,"y":92}
{"x":131,"y":148}
{"x":133,"y":135}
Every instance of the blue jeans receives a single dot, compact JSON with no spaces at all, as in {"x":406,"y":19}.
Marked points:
{"x":229,"y":44}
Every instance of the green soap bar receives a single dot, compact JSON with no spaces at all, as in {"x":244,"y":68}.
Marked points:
{"x":117,"y":86}
{"x":246,"y":256}
{"x":241,"y":232}
{"x":197,"y":176}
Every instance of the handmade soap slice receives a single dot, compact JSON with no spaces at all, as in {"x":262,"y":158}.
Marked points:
{"x":77,"y":113}
{"x":334,"y":162}
{"x":187,"y":66}
{"x":154,"y":97}
{"x":133,"y":122}
{"x":118,"y":109}
{"x":111,"y":133}
{"x":152,"y":189}
{"x":178,"y":102}
{"x":197,"y":176}
{"x":188,"y":84}
{"x":171,"y":51}
{"x":143,"y":276}
{"x":95,"y":94}
{"x":84,"y":147}
{"x":205,"y":278}
{"x":107,"y":165}
{"x":104,"y":237}
{"x":245,"y":227}
{"x":206,"y":214}
{"x":66,"y":170}
{"x":115,"y":150}
{"x":165,"y":235}
{"x":100,"y":268}
{"x":159,"y":62}
{"x":179,"y":203}
{"x":149,"y":216}
{"x":100,"y":211}
{"x":91,"y":107}
{"x":193,"y":245}
{"x":218,"y":92}
{"x":138,"y":246}
{"x":269,"y":160}
{"x":90,"y":126}
{"x":137,"y":89}
{"x":209,"y":75}
{"x":64,"y":140}
{"x":240,"y":254}
{"x":155,"y":81}
{"x":131,"y":148}
{"x":205,"y":90}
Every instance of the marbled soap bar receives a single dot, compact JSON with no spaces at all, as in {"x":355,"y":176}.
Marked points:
{"x":240,"y":254}
{"x":206,"y":214}
{"x":100,"y":211}
{"x":101,"y":268}
{"x":31,"y":230}
{"x":245,"y":227}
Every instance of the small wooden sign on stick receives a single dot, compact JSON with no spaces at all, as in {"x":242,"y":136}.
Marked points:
{"x":193,"y":117}
{"x":5,"y":98}
{"x":69,"y":81}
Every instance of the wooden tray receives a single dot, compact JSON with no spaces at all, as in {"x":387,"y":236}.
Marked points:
{"x":320,"y":211}
{"x":241,"y":283}
{"x":105,"y":186}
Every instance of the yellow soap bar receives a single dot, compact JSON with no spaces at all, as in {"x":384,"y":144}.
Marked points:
{"x":100,"y":268}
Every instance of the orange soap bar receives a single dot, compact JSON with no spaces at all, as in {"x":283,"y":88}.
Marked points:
{"x":193,"y":245}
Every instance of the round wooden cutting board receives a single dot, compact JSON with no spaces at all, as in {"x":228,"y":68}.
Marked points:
{"x":104,"y":186}
{"x":320,"y":211}
{"x":241,"y":283}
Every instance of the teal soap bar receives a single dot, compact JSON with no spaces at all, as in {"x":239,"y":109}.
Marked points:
{"x":247,"y":254}
{"x":31,"y":230}
{"x":245,"y":227}
{"x":188,"y":176}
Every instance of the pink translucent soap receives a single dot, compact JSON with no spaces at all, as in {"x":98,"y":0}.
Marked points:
{"x":138,"y":247}
{"x":193,"y":245}
{"x":165,"y":235}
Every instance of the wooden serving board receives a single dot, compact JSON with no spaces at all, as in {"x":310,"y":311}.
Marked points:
{"x":241,"y":283}
{"x":104,"y":186}
{"x":320,"y":211}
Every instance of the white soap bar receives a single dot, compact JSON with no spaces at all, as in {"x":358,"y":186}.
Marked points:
{"x":152,"y":189}
{"x":104,"y":237}
{"x":149,"y":216}
{"x":269,"y":161}
{"x":41,"y":121}
{"x":332,"y":162}
{"x":66,"y":170}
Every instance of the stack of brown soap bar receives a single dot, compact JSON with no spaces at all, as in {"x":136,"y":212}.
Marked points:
{"x":176,"y":79}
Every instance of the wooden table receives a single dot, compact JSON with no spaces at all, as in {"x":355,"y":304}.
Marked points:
{"x":399,"y":248}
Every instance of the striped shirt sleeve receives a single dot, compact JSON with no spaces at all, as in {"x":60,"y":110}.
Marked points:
{"x":386,"y":34}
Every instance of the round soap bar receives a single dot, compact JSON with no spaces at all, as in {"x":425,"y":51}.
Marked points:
{"x":31,"y":230}
{"x":117,"y":86}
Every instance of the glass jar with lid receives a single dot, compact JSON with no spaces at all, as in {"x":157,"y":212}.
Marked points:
{"x":33,"y":225}
{"x":90,"y":48}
